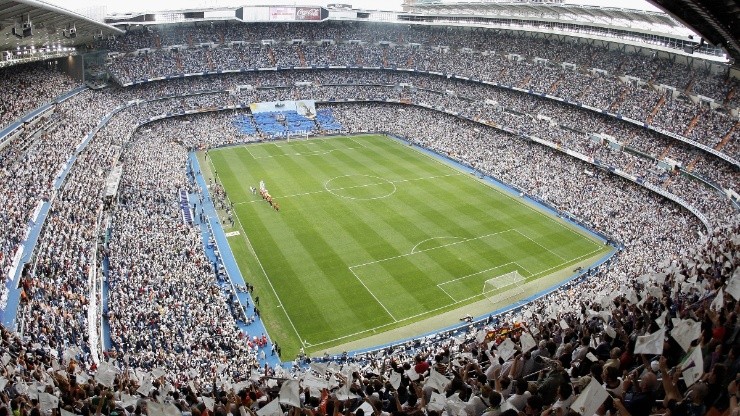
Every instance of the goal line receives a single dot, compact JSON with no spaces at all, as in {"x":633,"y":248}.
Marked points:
{"x":502,"y":287}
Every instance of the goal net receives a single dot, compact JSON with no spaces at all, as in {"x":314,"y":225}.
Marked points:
{"x":503,"y":287}
{"x":297,"y":135}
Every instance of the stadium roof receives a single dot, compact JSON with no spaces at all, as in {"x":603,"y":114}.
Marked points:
{"x":718,"y":21}
{"x":49,"y":26}
{"x":636,"y":20}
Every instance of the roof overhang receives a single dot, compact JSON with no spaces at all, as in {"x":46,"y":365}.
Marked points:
{"x":30,"y":25}
{"x":717,"y":21}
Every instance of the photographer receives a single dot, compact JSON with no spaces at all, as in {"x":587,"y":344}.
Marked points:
{"x":549,"y":385}
{"x":641,"y":401}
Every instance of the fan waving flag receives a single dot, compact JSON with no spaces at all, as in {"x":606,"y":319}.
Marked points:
{"x":650,"y":344}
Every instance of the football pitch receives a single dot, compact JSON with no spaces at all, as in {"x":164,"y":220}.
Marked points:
{"x":373,"y":235}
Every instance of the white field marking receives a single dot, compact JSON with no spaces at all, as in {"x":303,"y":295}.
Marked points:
{"x":432,"y":248}
{"x":431,"y":311}
{"x":311,"y":153}
{"x":250,"y":154}
{"x":361,"y":144}
{"x":547,"y":215}
{"x":311,"y":141}
{"x":456,"y":172}
{"x":373,"y":295}
{"x":348,"y":187}
{"x":448,"y":295}
{"x":429,"y":239}
{"x":473,"y":274}
{"x":547,"y":249}
{"x":542,"y":273}
{"x":439,"y":285}
{"x":523,"y":268}
{"x":254,"y":253}
{"x":428,"y":177}
{"x":331,"y":191}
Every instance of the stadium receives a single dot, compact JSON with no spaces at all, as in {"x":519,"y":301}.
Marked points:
{"x":456,"y":208}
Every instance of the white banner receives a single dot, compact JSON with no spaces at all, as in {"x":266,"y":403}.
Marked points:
{"x":306,"y":108}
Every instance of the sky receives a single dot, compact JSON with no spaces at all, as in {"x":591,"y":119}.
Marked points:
{"x":123,"y":6}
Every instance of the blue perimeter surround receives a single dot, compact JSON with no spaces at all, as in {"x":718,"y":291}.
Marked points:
{"x":234,"y":274}
{"x":211,"y":230}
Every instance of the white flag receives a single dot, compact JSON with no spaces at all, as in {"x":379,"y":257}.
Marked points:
{"x":412,"y":374}
{"x":209,"y":402}
{"x":650,"y":344}
{"x":158,"y":372}
{"x":718,"y":301}
{"x":437,"y":381}
{"x":686,"y":331}
{"x":344,"y":394}
{"x":366,"y":407}
{"x":162,"y":409}
{"x":316,"y":384}
{"x":506,"y":349}
{"x":318,"y":367}
{"x":527,"y":341}
{"x":48,"y":402}
{"x":733,"y":286}
{"x":693,"y":367}
{"x":455,"y":406}
{"x":395,"y":380}
{"x":610,"y":331}
{"x":146,"y":387}
{"x":437,"y":402}
{"x":127,"y":400}
{"x":271,"y":409}
{"x":289,"y":393}
{"x":590,"y":399}
{"x":105,"y":374}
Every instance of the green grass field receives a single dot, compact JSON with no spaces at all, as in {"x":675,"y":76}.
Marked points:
{"x":373,"y":235}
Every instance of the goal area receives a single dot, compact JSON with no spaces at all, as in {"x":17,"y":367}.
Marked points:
{"x":503,"y":287}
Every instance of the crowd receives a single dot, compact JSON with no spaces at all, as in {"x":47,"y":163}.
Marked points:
{"x":604,"y":202}
{"x":585,"y":334}
{"x":29,"y":165}
{"x":467,"y":53}
{"x":675,"y":115}
{"x":24,"y":92}
{"x":185,"y":324}
{"x":175,"y":343}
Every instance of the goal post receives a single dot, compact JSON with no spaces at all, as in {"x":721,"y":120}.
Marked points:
{"x":502,"y":287}
{"x":297,"y":135}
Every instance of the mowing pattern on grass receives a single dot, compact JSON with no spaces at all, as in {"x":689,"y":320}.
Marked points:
{"x":372,"y":234}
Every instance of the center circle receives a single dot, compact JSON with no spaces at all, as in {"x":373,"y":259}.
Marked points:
{"x":360,"y":187}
